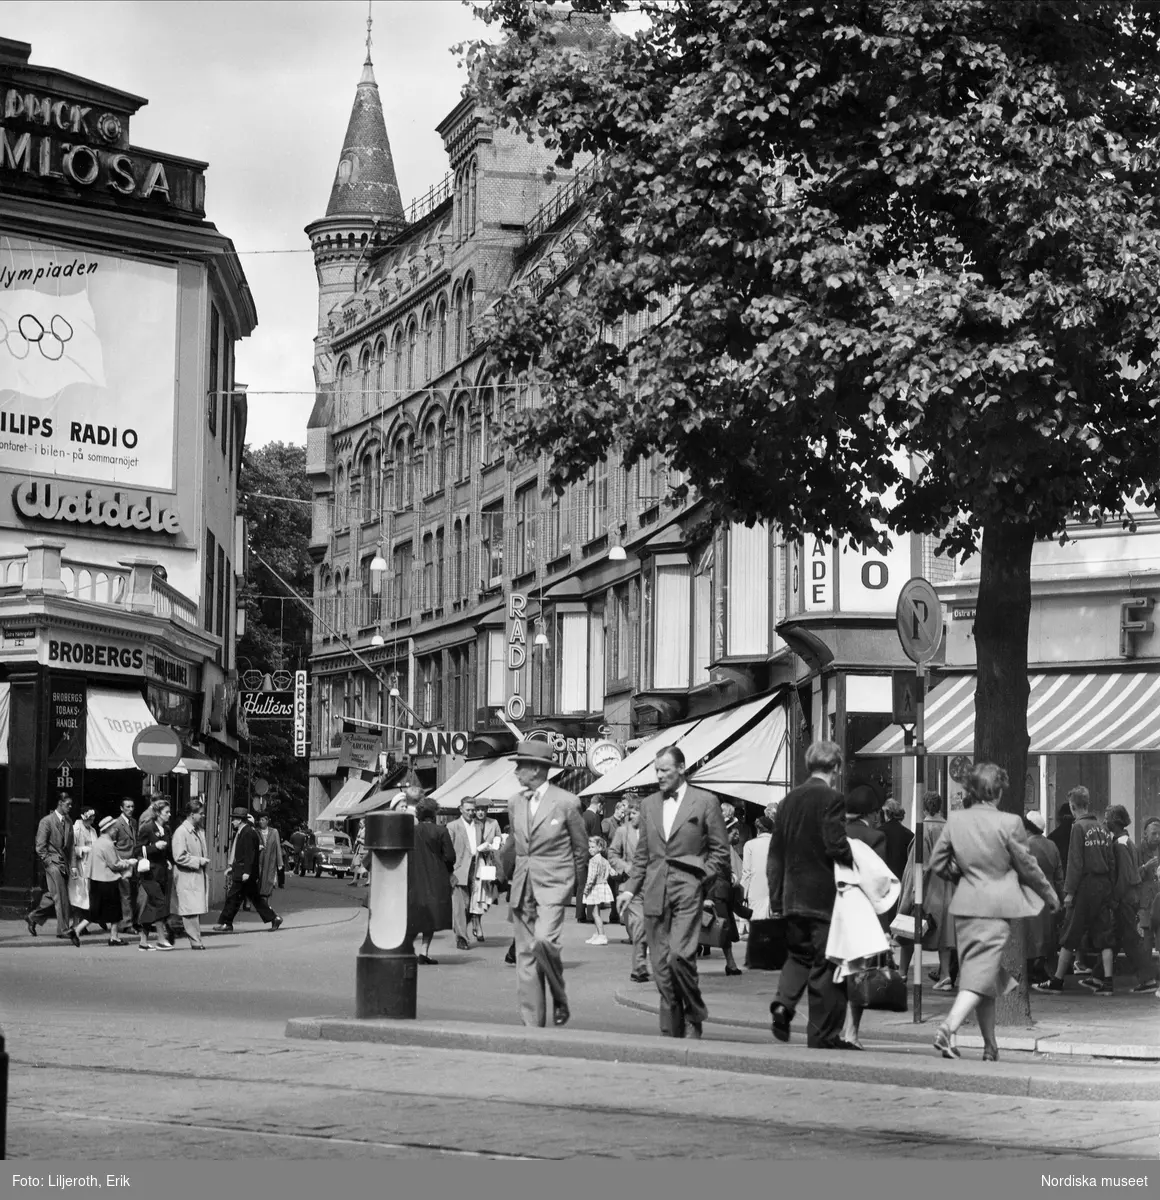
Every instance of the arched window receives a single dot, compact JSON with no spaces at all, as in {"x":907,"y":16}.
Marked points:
{"x":430,"y":459}
{"x":457,"y":565}
{"x":469,"y":314}
{"x":397,"y":346}
{"x":368,"y":487}
{"x":340,"y":499}
{"x":437,"y":600}
{"x":461,"y":442}
{"x":472,"y":188}
{"x":343,"y":389}
{"x":364,"y":381}
{"x":412,"y":339}
{"x":427,"y":597}
{"x":444,"y":454}
{"x":457,"y":340}
{"x":428,"y":331}
{"x":441,"y":336}
{"x":402,"y":473}
{"x":488,"y":426}
{"x":380,"y":373}
{"x":378,"y":484}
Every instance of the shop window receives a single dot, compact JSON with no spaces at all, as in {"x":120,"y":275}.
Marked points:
{"x":1084,"y":770}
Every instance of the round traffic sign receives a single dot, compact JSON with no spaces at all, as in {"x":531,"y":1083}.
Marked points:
{"x":260,"y":786}
{"x":157,"y":750}
{"x":920,"y":620}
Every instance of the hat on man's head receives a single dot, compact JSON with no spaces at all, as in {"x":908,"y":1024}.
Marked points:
{"x":536,"y":754}
{"x":862,"y":799}
{"x":1036,"y":819}
{"x":242,"y":814}
{"x":106,"y":823}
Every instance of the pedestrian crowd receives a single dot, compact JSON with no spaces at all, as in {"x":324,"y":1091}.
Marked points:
{"x":825,"y":886}
{"x":142,"y":875}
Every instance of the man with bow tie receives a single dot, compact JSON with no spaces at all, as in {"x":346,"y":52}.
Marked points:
{"x":683,"y":849}
{"x":551,"y":859}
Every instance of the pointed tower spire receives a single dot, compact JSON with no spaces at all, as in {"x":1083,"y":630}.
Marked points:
{"x":365,"y":184}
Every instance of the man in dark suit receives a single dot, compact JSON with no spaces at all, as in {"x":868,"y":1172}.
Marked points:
{"x":54,"y":848}
{"x":683,"y":849}
{"x":808,"y":838}
{"x":861,"y":804}
{"x":898,"y":838}
{"x":124,"y":834}
{"x":551,"y":858}
{"x":245,"y":876}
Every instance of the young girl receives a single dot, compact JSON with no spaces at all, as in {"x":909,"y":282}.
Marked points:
{"x":597,"y":893}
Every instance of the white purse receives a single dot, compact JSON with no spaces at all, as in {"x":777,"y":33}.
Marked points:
{"x":144,"y":866}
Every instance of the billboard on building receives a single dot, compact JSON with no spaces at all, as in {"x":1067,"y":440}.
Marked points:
{"x":88,"y":357}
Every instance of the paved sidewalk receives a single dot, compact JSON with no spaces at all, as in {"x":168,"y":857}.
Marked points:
{"x":1072,"y":1023}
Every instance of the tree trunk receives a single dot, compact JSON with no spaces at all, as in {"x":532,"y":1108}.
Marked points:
{"x":1002,"y":617}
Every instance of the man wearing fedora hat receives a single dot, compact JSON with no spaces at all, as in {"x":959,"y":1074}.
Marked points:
{"x":551,"y":859}
{"x":245,"y":879}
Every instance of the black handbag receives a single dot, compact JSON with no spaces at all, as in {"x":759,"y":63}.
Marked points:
{"x":881,"y":988}
{"x":766,"y":949}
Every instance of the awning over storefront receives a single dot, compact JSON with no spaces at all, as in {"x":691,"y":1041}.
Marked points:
{"x":350,"y":795}
{"x":756,"y":767}
{"x":697,"y":740}
{"x":114,"y":720}
{"x":194,"y":760}
{"x":5,"y":698}
{"x":1098,"y":712}
{"x":490,"y":779}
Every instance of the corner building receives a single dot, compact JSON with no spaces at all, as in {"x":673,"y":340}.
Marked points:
{"x":608,"y":614}
{"x":121,"y":432}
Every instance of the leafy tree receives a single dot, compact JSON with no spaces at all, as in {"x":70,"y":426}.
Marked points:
{"x":909,"y":225}
{"x":275,"y":501}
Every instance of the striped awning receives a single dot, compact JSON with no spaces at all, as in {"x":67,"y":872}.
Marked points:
{"x":1098,"y":712}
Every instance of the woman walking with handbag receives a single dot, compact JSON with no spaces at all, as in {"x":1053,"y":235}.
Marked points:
{"x":1000,"y":883}
{"x":936,"y":898}
{"x":81,"y":868}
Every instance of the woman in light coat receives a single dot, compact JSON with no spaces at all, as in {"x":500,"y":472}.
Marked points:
{"x":81,"y":868}
{"x":105,"y":875}
{"x":999,"y":882}
{"x":191,"y":873}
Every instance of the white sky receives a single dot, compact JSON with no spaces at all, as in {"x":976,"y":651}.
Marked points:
{"x":262,"y":91}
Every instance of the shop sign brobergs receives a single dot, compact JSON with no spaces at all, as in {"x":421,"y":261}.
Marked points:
{"x":43,"y":501}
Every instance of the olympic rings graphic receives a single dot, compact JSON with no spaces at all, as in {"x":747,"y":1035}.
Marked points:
{"x":50,"y":342}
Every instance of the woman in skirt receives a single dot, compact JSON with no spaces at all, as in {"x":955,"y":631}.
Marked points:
{"x":84,"y":837}
{"x":998,"y":882}
{"x":153,"y":887}
{"x":104,"y":889}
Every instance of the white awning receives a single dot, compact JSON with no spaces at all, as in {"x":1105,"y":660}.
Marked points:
{"x":114,"y":720}
{"x":696,"y":740}
{"x":1100,"y":712}
{"x":347,"y":799}
{"x":5,"y":699}
{"x":489,"y":779}
{"x":755,"y":767}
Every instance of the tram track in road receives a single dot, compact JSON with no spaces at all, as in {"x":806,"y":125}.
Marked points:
{"x":572,"y":1128}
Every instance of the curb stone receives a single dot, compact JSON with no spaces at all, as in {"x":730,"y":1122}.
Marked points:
{"x":1061,"y":1082}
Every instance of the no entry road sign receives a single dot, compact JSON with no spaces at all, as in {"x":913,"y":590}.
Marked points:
{"x":157,"y":750}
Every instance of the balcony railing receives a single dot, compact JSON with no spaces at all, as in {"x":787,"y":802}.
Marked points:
{"x":560,"y":201}
{"x":429,"y":201}
{"x":127,"y":586}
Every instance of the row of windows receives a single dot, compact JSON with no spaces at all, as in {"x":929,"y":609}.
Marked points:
{"x":412,"y":355}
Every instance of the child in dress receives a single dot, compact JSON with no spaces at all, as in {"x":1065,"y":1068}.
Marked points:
{"x":597,"y":893}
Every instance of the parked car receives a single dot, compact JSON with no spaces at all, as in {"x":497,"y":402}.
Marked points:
{"x":332,"y":855}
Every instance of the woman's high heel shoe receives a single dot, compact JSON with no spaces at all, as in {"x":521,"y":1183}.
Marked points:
{"x":990,"y":1054}
{"x":944,"y":1043}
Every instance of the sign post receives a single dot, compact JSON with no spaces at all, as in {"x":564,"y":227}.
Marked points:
{"x":919,"y":618}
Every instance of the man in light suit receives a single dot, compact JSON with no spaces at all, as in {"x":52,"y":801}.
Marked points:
{"x":465,"y":840}
{"x":54,"y":848}
{"x":620,"y":856}
{"x":551,"y":859}
{"x":683,"y":850}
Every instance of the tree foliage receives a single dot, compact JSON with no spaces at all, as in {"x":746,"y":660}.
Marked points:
{"x":965,"y":260}
{"x":275,"y":501}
